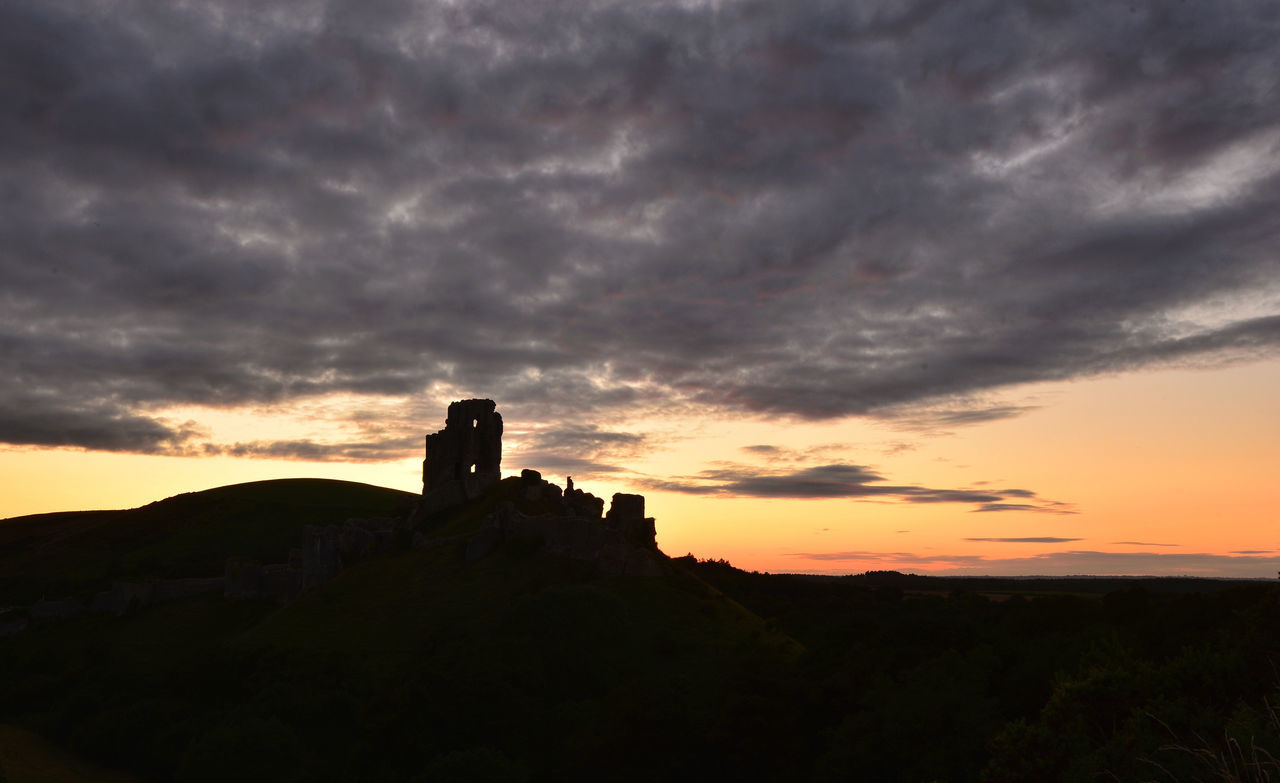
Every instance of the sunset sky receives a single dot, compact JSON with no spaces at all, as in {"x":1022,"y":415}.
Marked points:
{"x":974,"y":287}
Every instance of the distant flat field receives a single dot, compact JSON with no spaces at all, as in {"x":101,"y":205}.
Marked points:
{"x":26,"y":757}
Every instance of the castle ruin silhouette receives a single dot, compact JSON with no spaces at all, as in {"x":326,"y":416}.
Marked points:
{"x":464,"y":460}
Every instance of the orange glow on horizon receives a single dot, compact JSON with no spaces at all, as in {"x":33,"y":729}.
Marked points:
{"x":1175,"y":462}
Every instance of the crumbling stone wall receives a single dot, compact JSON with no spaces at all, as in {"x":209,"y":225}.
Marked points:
{"x":583,"y":504}
{"x":12,"y":623}
{"x":626,"y":515}
{"x":623,"y":542}
{"x":45,"y":611}
{"x":280,"y":582}
{"x":124,"y":596}
{"x":469,"y":445}
{"x":465,"y":457}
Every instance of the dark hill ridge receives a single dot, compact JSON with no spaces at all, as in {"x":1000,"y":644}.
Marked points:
{"x":419,"y":665}
{"x":188,"y":535}
{"x":424,"y":663}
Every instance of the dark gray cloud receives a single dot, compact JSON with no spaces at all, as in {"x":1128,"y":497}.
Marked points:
{"x":1076,"y":562}
{"x":586,"y":438}
{"x":1030,"y":540}
{"x":564,"y":464}
{"x":1045,"y":506}
{"x":823,"y":482}
{"x":958,"y":414}
{"x":38,"y":420}
{"x":810,"y":454}
{"x":368,"y":451}
{"x":584,"y":449}
{"x":587,"y":211}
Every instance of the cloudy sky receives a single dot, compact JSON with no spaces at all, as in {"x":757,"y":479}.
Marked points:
{"x":837,"y":285}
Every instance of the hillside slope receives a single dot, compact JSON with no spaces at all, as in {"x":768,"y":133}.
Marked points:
{"x":417,"y":665}
{"x":426,"y":663}
{"x":192,"y":534}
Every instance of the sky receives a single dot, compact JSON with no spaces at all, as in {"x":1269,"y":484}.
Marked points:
{"x":980,"y":287}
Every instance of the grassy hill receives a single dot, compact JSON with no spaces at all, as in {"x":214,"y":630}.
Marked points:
{"x":65,"y":554}
{"x":411,"y":666}
{"x":418,"y":666}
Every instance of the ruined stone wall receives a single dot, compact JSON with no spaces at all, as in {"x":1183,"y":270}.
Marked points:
{"x":464,"y":458}
{"x":623,"y":542}
{"x":469,"y":445}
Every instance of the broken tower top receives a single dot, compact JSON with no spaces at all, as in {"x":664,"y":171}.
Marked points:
{"x":469,"y":448}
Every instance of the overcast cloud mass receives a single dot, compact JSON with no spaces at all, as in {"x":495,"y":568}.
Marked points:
{"x":798,"y":209}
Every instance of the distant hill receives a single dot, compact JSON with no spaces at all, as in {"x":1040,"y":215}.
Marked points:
{"x":191,"y":534}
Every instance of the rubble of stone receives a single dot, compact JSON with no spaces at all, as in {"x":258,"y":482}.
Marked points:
{"x":173,"y":589}
{"x":121,"y":597}
{"x":12,"y":623}
{"x":124,"y":596}
{"x":623,"y":542}
{"x":55,"y":611}
{"x":325,"y":551}
{"x":247,"y":578}
{"x":582,"y":504}
{"x":421,"y":541}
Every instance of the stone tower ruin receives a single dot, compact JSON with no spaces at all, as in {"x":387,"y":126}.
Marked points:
{"x":463,"y":458}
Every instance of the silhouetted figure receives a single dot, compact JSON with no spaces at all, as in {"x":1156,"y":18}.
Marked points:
{"x":568,"y":480}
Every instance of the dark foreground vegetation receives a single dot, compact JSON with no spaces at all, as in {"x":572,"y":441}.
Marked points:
{"x":418,"y":666}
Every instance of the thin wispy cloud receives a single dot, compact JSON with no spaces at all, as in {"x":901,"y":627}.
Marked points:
{"x":312,"y":451}
{"x":1028,"y":540}
{"x":766,"y":450}
{"x":1075,"y":562}
{"x":584,"y":449}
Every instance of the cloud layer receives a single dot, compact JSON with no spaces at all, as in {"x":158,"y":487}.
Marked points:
{"x":849,"y":481}
{"x":801,"y":209}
